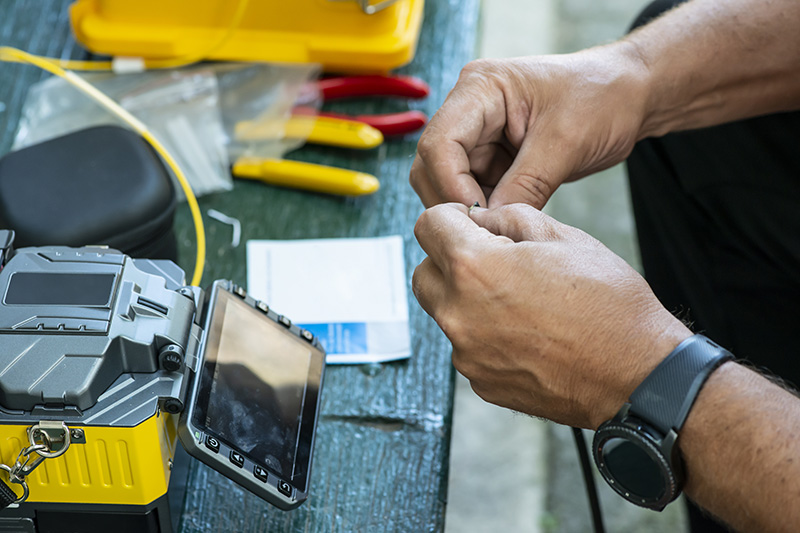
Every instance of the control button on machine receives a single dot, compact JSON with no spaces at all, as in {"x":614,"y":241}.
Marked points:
{"x":285,"y":488}
{"x":237,"y":459}
{"x":212,"y":444}
{"x":260,"y":473}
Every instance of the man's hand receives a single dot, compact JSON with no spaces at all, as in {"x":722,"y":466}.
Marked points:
{"x":543,"y":318}
{"x":513,"y":130}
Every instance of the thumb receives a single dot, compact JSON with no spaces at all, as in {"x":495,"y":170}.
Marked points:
{"x":446,"y":230}
{"x":537,"y":171}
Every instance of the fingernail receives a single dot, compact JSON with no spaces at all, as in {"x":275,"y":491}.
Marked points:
{"x":473,"y":206}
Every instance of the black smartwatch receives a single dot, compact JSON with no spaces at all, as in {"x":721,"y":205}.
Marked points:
{"x":636,"y":450}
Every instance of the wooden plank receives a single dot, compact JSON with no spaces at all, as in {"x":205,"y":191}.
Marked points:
{"x":366,"y":477}
{"x":417,"y":389}
{"x":41,"y":28}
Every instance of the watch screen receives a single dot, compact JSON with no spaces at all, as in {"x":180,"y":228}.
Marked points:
{"x":633,"y":469}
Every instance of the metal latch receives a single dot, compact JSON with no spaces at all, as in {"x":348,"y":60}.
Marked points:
{"x":48,"y":439}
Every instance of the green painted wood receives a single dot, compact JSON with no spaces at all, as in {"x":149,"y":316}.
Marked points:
{"x":381,"y":458}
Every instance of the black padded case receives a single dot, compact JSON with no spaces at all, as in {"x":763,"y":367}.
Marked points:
{"x":98,"y":186}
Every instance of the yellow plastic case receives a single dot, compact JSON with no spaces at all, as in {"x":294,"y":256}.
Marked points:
{"x":335,"y":33}
{"x":116,"y":465}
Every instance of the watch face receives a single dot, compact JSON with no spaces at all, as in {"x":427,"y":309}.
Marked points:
{"x":630,"y":457}
{"x":632,"y":469}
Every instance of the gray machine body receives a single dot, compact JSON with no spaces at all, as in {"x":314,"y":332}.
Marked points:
{"x":95,"y":363}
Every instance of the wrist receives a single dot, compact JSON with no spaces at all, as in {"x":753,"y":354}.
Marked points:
{"x":672,"y":102}
{"x":655,"y":96}
{"x":651,"y":349}
{"x":631,"y":86}
{"x":637,"y":450}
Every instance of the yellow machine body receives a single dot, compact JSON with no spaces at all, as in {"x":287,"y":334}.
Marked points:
{"x":335,"y":33}
{"x":116,"y":465}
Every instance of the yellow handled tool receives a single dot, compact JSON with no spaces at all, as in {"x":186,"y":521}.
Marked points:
{"x":307,"y":176}
{"x":328,"y":131}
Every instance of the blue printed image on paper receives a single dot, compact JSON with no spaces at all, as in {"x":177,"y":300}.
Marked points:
{"x":341,"y":337}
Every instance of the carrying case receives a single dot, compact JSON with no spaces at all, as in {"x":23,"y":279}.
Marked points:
{"x":103,"y":185}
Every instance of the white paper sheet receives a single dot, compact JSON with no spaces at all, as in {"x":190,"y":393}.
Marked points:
{"x":351,"y":293}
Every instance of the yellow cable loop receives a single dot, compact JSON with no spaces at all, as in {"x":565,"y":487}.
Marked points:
{"x":13,"y":54}
{"x":73,"y":64}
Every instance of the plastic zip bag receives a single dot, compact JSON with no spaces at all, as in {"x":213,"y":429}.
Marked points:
{"x":194,"y":112}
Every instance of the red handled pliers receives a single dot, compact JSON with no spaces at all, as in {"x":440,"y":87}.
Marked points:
{"x":340,"y":87}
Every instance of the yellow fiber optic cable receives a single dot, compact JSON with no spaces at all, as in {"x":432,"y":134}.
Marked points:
{"x":15,"y":55}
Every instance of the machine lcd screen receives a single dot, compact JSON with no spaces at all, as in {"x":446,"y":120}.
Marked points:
{"x":65,"y":289}
{"x":258,"y":388}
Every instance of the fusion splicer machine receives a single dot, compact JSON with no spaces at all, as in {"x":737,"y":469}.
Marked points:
{"x":107,"y":361}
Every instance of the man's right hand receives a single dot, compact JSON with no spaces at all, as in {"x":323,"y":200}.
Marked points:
{"x":513,"y":130}
{"x":543,"y":318}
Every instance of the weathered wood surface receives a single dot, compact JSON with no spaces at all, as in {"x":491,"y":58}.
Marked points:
{"x":381,"y":457}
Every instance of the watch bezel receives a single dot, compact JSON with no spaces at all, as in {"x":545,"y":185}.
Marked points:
{"x":660,"y":449}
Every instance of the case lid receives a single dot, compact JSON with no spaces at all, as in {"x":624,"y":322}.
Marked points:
{"x":98,"y":186}
{"x":337,"y":34}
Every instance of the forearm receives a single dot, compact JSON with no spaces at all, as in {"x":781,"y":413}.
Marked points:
{"x":741,"y":445}
{"x":714,"y":61}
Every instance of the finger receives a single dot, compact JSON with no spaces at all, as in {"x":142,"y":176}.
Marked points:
{"x":489,"y":162}
{"x":430,"y":197}
{"x":421,"y":184}
{"x":518,"y":222}
{"x":428,"y":286}
{"x":446,"y":230}
{"x":462,"y":124}
{"x":447,"y":175}
{"x":541,"y":165}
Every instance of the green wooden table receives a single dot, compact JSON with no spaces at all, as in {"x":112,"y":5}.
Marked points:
{"x":381,"y":458}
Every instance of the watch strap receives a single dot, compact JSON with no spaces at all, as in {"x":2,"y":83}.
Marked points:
{"x":665,"y":397}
